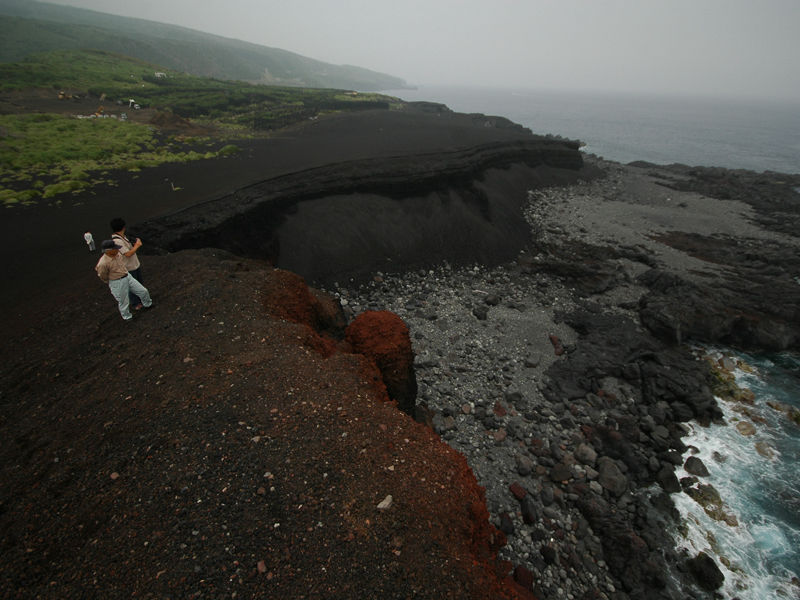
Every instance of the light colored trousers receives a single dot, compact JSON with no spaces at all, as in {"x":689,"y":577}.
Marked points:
{"x":120,"y":288}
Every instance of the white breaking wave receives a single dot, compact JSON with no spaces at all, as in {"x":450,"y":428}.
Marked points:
{"x":759,"y":556}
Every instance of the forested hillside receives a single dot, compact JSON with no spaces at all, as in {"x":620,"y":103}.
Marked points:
{"x":28,"y":27}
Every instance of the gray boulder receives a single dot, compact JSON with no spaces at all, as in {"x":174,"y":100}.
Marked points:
{"x":586,"y":454}
{"x":611,"y":477}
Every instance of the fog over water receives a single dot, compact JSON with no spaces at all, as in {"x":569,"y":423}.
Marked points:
{"x":754,"y":134}
{"x":733,"y":48}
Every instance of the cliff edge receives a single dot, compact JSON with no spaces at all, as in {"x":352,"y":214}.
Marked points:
{"x":220,"y":445}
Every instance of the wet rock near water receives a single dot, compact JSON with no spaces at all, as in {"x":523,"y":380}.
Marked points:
{"x":695,"y":466}
{"x":706,"y":572}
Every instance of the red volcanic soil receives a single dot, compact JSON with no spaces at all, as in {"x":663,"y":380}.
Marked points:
{"x":383,"y":337}
{"x":211,"y":447}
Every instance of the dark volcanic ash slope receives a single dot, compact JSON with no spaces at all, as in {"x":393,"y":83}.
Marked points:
{"x":460,"y":201}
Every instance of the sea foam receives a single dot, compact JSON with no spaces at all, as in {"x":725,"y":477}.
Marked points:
{"x":760,"y":554}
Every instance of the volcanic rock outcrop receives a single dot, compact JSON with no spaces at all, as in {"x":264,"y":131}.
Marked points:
{"x":383,"y":337}
{"x":754,"y":304}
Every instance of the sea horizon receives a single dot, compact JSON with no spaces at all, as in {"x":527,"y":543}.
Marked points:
{"x":734,"y":133}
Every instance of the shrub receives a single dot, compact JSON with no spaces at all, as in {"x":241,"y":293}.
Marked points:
{"x":228,"y":150}
{"x":62,"y":187}
{"x":9,"y":197}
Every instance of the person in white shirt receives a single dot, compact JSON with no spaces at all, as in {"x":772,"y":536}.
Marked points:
{"x":128,"y":250}
{"x":111,"y":269}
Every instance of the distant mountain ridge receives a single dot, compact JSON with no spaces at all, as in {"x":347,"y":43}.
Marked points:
{"x":29,"y":27}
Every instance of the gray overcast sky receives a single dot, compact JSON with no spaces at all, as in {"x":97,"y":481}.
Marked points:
{"x":719,"y":47}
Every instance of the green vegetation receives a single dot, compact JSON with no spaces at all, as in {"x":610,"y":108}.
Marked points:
{"x":28,"y":28}
{"x":70,"y":69}
{"x":118,"y":78}
{"x":38,"y":139}
{"x":44,"y":155}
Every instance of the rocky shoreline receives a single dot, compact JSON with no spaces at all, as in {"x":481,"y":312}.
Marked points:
{"x":563,"y":379}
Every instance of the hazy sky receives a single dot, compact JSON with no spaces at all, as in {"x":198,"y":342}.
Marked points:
{"x":719,"y":47}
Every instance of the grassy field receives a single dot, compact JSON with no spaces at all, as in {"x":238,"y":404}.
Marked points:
{"x":46,"y":154}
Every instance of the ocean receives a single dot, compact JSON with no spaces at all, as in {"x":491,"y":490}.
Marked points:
{"x":756,"y":475}
{"x":735,"y":134}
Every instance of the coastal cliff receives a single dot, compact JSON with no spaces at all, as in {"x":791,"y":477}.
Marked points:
{"x":353,"y":218}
